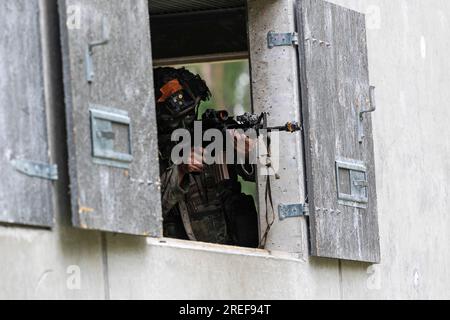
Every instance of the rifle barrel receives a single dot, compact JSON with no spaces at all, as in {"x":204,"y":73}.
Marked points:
{"x":289,"y":127}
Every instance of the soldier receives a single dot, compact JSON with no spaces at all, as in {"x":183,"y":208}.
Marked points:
{"x":200,"y":202}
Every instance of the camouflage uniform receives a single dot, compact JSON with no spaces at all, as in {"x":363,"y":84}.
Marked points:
{"x":209,"y":207}
{"x":195,"y":202}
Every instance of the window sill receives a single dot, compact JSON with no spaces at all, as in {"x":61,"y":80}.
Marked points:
{"x":224,"y":249}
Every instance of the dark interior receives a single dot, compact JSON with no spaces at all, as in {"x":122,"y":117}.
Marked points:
{"x":186,"y":30}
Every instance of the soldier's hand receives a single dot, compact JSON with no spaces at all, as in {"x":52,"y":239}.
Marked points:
{"x":242,"y":143}
{"x":195,"y":162}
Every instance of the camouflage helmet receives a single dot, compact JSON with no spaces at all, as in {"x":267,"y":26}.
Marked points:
{"x":178,"y":94}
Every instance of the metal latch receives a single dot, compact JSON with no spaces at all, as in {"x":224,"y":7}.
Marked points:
{"x":36,"y":169}
{"x":90,"y":73}
{"x":282,"y":39}
{"x":292,"y":210}
{"x":361,"y":183}
{"x":373,"y":107}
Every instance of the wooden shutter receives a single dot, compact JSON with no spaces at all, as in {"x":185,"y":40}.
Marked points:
{"x":25,"y":188}
{"x":111,"y":121}
{"x":339,"y":142}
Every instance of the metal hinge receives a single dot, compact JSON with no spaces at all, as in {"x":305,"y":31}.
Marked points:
{"x":282,"y":39}
{"x":36,"y":169}
{"x":293,"y":210}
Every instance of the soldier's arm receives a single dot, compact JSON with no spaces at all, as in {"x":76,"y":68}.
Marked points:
{"x":176,"y":180}
{"x":175,"y":187}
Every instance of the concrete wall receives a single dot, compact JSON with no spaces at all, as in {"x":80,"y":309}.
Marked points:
{"x":409,"y":43}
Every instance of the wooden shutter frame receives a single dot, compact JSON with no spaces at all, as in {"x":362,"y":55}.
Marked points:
{"x":27,"y":172}
{"x":332,"y":233}
{"x":105,"y":196}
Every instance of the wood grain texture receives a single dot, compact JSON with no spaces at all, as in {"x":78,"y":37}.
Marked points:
{"x":103,"y":197}
{"x":335,"y":88}
{"x":23,"y":125}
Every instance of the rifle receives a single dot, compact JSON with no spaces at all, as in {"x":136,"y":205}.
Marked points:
{"x":221,"y":120}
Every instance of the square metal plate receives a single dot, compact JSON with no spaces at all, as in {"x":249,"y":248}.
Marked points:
{"x":111,"y":137}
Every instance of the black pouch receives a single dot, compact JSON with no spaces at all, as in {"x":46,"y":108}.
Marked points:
{"x":241,"y":214}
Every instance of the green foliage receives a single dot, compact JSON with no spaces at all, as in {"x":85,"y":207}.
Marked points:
{"x":228,"y":82}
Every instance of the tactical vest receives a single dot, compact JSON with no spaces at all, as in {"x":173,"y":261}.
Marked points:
{"x":215,"y":210}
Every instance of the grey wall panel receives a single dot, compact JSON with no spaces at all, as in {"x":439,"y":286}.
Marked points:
{"x":275,"y":89}
{"x":335,"y":89}
{"x":23,"y":128}
{"x":124,"y":199}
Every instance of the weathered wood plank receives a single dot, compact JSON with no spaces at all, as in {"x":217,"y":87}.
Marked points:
{"x":335,"y":88}
{"x":23,"y":127}
{"x":106,"y":197}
